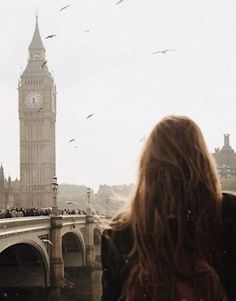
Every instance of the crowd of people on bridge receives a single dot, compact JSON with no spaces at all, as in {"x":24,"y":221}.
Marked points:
{"x":23,"y":212}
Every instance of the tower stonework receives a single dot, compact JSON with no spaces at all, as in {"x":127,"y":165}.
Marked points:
{"x":225,"y":159}
{"x":37,"y":114}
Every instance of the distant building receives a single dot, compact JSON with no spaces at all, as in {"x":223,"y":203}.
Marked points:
{"x":9,"y":191}
{"x":110,"y":199}
{"x":225,"y":159}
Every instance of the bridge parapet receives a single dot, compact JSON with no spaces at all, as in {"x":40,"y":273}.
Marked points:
{"x":22,"y":225}
{"x":73,"y":220}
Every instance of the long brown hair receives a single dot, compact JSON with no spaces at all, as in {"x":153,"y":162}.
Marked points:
{"x":174,"y":216}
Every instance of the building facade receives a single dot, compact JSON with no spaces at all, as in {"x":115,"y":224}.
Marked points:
{"x":37,"y":115}
{"x":225,"y":159}
{"x":9,"y":191}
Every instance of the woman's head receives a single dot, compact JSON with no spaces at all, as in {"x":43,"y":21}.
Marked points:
{"x":176,"y":203}
{"x":176,"y":156}
{"x":176,"y":172}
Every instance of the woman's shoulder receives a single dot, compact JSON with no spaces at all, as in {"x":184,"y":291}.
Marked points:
{"x":229,"y":195}
{"x":229,"y":208}
{"x":116,"y":245}
{"x":118,"y":238}
{"x":229,"y":201}
{"x":118,"y":233}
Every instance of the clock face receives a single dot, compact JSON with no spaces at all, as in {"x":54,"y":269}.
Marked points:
{"x":33,"y":100}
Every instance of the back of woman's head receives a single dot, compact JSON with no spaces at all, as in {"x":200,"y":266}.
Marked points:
{"x":172,"y":214}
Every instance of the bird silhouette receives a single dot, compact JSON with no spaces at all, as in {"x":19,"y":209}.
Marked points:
{"x":163,"y":51}
{"x":72,"y":140}
{"x":47,"y":241}
{"x":119,"y":2}
{"x":44,"y":63}
{"x":89,"y":116}
{"x":142,"y":139}
{"x":40,"y":109}
{"x":65,"y":7}
{"x":87,"y":30}
{"x":50,"y":36}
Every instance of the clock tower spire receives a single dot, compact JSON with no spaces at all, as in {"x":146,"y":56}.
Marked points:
{"x":37,"y":114}
{"x":36,"y":48}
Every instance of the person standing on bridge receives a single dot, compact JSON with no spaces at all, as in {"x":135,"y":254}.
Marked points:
{"x":177,"y":240}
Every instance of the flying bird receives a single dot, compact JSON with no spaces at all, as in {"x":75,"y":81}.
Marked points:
{"x":65,"y":7}
{"x":87,"y":30}
{"x":142,"y":139}
{"x":163,"y":51}
{"x":47,"y":241}
{"x":119,"y":2}
{"x":89,"y":116}
{"x":40,"y":109}
{"x":50,"y":36}
{"x":44,"y":63}
{"x":75,"y":146}
{"x":72,"y":140}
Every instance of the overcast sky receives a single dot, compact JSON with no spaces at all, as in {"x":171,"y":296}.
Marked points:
{"x":111,"y":71}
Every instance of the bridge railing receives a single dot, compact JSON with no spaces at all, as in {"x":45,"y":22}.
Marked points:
{"x":73,"y":220}
{"x":19,"y":225}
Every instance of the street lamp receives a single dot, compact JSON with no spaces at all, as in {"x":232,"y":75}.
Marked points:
{"x":54,"y":185}
{"x":107,"y":201}
{"x":88,"y":198}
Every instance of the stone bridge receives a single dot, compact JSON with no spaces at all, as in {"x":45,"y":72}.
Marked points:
{"x":38,"y":251}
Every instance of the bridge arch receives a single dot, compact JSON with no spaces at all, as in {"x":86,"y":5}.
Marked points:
{"x":26,"y":263}
{"x":73,"y":248}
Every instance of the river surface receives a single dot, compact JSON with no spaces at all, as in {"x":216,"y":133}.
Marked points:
{"x":36,"y":295}
{"x":75,"y":290}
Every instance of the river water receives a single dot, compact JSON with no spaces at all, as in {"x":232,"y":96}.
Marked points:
{"x":75,"y":290}
{"x":16,"y":294}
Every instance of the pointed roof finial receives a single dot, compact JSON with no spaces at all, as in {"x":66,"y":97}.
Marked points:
{"x":226,"y":140}
{"x":36,"y":42}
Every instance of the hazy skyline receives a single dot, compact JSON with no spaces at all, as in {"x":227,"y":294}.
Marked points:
{"x":102,"y":63}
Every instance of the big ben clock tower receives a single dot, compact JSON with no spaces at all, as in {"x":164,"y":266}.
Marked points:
{"x":37,"y":114}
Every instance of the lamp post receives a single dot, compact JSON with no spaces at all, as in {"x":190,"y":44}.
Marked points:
{"x":88,"y":199}
{"x":107,"y":202}
{"x":54,"y":189}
